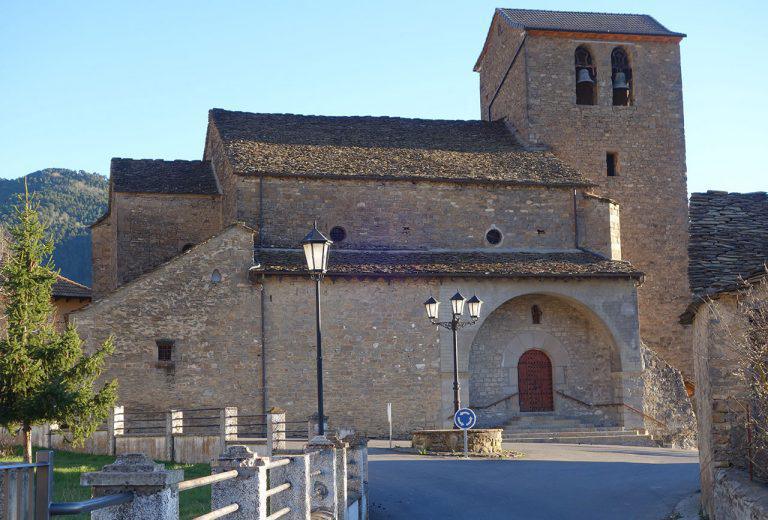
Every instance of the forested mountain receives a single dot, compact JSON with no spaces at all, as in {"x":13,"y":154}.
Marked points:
{"x":69,"y":202}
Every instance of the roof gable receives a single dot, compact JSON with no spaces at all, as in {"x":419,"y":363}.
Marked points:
{"x":384,"y":147}
{"x":66,"y":288}
{"x":728,"y":238}
{"x":573,"y":21}
{"x":158,"y":176}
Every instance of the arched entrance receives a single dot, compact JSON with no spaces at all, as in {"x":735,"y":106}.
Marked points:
{"x":534,"y":376}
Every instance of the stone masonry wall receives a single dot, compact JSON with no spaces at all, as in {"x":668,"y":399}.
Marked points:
{"x":581,"y":352}
{"x":720,"y":412}
{"x":214,"y":327}
{"x":152,"y":229}
{"x":409,"y":215}
{"x":104,"y":255}
{"x":377,"y":347}
{"x":599,"y":225}
{"x":504,"y":46}
{"x":667,"y":401}
{"x":649,"y":140}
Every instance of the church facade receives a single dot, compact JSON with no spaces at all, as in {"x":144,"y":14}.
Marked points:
{"x":563,"y":208}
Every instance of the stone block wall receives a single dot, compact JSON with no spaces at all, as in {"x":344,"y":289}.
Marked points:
{"x":377,"y":348}
{"x":648,"y":138}
{"x":408,"y":215}
{"x":104,"y":256}
{"x":144,"y":230}
{"x":214,"y":329}
{"x":599,"y":225}
{"x":720,"y":403}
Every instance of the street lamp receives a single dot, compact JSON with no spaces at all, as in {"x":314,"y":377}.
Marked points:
{"x":316,"y":247}
{"x":457,"y":309}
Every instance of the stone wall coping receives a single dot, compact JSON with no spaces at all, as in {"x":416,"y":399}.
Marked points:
{"x":133,"y":469}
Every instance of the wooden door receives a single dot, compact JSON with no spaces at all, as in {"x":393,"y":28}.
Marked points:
{"x":534,"y":381}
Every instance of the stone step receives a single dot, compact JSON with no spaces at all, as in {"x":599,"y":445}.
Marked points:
{"x":585,"y":429}
{"x":585,"y":432}
{"x":555,"y":426}
{"x":614,"y":440}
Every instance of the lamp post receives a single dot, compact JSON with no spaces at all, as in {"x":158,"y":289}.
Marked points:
{"x":316,"y":247}
{"x":457,"y":309}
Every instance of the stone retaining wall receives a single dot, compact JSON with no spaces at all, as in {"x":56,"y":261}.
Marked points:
{"x":738,"y":498}
{"x":478,"y":441}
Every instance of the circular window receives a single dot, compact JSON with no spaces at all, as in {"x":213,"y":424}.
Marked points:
{"x":493,"y":236}
{"x":338,"y":234}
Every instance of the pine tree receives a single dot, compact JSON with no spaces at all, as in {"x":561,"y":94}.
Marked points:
{"x":44,"y":374}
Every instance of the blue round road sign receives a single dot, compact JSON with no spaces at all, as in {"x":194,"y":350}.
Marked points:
{"x":465,"y":419}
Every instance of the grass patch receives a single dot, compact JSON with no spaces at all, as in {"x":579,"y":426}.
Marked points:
{"x":68,"y":466}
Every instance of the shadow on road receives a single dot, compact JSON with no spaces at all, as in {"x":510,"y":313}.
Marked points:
{"x":406,"y":487}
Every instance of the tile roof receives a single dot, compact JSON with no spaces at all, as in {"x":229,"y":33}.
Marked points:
{"x":570,"y":21}
{"x":456,"y":263}
{"x":66,"y":288}
{"x":728,"y":237}
{"x":158,"y":176}
{"x":384,"y":147}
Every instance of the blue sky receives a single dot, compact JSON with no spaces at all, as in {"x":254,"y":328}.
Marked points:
{"x":81,"y":82}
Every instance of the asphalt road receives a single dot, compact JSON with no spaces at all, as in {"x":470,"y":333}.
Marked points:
{"x":552,"y":481}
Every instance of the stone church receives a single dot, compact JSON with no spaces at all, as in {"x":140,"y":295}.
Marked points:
{"x":563,"y":207}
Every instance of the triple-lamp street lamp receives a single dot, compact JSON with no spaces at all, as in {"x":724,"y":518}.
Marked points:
{"x":457,"y":309}
{"x":316,"y":247}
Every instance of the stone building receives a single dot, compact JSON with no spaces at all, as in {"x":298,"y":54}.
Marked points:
{"x":68,"y":296}
{"x":198,"y":269}
{"x":728,"y":254}
{"x":632,"y":147}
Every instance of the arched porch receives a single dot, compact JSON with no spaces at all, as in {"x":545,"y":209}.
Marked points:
{"x":588,"y":330}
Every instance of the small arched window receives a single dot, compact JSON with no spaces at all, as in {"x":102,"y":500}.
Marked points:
{"x":535,"y":315}
{"x":621,"y":77}
{"x":586,"y":77}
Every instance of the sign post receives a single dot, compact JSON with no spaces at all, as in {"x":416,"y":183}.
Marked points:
{"x":389,"y":418}
{"x":465,"y":419}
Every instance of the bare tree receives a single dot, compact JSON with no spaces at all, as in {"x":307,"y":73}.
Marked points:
{"x":745,"y":328}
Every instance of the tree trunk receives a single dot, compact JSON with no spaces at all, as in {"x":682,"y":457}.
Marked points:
{"x":27,"y":429}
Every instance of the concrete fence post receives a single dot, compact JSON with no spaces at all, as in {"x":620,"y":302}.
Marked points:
{"x":357,"y":473}
{"x":174,"y":425}
{"x":227,"y":427}
{"x":298,"y":497}
{"x":248,"y":490}
{"x":115,"y":427}
{"x":155,"y":489}
{"x":341,"y":477}
{"x":275,"y":430}
{"x":322,"y":463}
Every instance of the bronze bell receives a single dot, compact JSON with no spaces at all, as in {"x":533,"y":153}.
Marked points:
{"x":620,"y":81}
{"x":583,"y":76}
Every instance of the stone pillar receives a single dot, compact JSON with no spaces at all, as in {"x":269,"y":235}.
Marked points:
{"x":298,"y":497}
{"x":115,"y":427}
{"x":275,"y":430}
{"x":248,"y":490}
{"x":357,"y":472}
{"x":322,"y":464}
{"x":228,"y":426}
{"x":155,"y":489}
